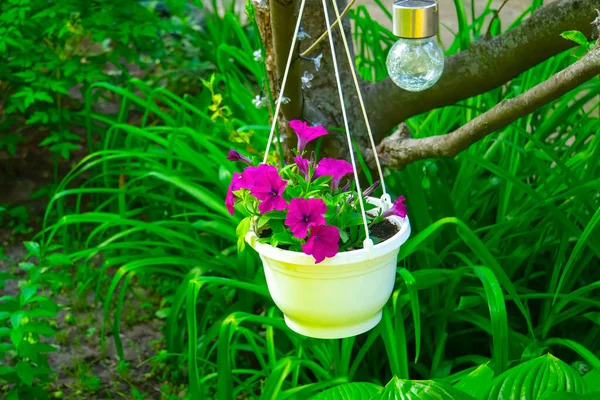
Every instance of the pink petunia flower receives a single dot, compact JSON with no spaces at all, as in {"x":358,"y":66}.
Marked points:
{"x":302,"y":164}
{"x":306,"y":133}
{"x":322,"y":243}
{"x":237,"y":183}
{"x":399,"y":208}
{"x":337,"y":169}
{"x":236,"y":156}
{"x":267,"y":186}
{"x":303,"y":214}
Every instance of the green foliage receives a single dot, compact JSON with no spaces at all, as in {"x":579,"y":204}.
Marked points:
{"x":25,"y":326}
{"x":572,"y":396}
{"x":50,"y":51}
{"x":354,"y":390}
{"x":17,"y":218}
{"x":500,"y":269}
{"x":396,"y":389}
{"x":401,"y":389}
{"x":535,"y":379}
{"x":577,"y":37}
{"x":477,"y":383}
{"x":543,"y":378}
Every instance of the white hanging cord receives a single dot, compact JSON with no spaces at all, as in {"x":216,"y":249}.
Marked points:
{"x":360,"y":99}
{"x":368,"y":243}
{"x":284,"y":81}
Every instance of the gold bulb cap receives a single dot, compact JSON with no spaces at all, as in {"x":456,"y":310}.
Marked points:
{"x":415,"y":19}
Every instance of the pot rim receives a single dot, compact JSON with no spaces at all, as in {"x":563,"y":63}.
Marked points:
{"x":342,"y":258}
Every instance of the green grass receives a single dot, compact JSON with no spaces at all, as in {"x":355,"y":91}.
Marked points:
{"x":501,"y":268}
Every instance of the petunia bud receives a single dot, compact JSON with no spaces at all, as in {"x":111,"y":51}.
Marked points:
{"x":236,"y":156}
{"x":303,"y":167}
{"x":371,"y":189}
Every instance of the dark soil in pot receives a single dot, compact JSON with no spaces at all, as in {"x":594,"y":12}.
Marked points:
{"x":383,"y":231}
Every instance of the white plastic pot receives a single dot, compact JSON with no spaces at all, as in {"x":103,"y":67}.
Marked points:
{"x":340,"y":297}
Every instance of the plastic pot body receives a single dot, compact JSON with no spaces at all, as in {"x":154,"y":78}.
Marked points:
{"x":340,"y":297}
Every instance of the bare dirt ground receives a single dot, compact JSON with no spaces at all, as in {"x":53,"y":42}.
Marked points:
{"x":83,"y":370}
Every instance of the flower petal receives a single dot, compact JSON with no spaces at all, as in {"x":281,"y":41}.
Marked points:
{"x":272,"y":203}
{"x":323,"y":242}
{"x":237,"y":183}
{"x":304,"y":213}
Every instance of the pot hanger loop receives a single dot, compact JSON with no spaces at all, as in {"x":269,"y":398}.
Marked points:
{"x":385,"y":198}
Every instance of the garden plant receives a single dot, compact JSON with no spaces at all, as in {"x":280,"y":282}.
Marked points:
{"x":158,"y":223}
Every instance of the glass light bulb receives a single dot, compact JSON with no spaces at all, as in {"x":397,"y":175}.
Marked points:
{"x":415,"y":64}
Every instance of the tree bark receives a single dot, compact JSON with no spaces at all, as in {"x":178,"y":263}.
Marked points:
{"x":399,"y":149}
{"x":263,"y":20}
{"x":319,"y":104}
{"x":284,"y":14}
{"x":322,"y":102}
{"x":489,"y":63}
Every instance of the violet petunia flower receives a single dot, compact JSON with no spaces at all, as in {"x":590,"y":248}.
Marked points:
{"x":237,"y":183}
{"x":267,"y":186}
{"x":322,"y":243}
{"x":306,"y":133}
{"x":398,"y":209}
{"x":302,"y":164}
{"x":337,"y":169}
{"x":236,"y":156}
{"x":304,"y":213}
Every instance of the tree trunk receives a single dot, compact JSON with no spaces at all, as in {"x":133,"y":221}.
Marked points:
{"x":319,"y":104}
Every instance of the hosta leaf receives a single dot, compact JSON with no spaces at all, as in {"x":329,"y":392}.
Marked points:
{"x":572,"y":396}
{"x":354,"y":391}
{"x":477,"y":383}
{"x":592,"y":381}
{"x":404,"y":389}
{"x":535,"y":379}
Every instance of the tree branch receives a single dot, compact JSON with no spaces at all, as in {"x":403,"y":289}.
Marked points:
{"x":399,"y":149}
{"x":489,"y":63}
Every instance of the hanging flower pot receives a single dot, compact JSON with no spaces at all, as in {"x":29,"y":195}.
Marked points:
{"x":329,"y":249}
{"x":340,"y":297}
